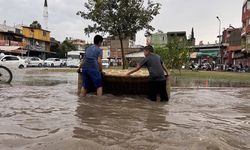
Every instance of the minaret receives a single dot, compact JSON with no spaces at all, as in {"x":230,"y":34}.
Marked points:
{"x":46,"y":14}
{"x":192,"y":37}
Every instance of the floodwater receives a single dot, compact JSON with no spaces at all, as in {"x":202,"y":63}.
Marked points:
{"x":41,"y":111}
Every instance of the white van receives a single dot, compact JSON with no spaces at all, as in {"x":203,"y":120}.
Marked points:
{"x":105,"y":63}
{"x":74,"y":58}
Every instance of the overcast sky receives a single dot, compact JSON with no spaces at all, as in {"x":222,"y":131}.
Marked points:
{"x":175,"y":15}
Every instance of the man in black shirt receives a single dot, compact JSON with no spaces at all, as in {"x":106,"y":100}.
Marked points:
{"x":156,"y":70}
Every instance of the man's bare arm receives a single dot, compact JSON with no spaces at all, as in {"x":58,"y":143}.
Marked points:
{"x":134,"y":70}
{"x":100,"y":63}
{"x":80,"y":66}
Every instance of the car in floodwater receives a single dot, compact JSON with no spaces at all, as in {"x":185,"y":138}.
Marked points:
{"x":53,"y":62}
{"x":105,"y":63}
{"x":64,"y":62}
{"x":74,"y":58}
{"x":11,"y":61}
{"x":34,"y":62}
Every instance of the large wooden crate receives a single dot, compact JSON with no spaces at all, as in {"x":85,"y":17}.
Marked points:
{"x":124,"y":85}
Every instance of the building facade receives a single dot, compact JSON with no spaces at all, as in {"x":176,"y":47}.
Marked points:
{"x":11,"y":40}
{"x":246,"y":33}
{"x":161,"y":39}
{"x":79,"y":44}
{"x":115,"y":53}
{"x":105,"y":52}
{"x":115,"y":46}
{"x":231,"y":39}
{"x":10,"y":36}
{"x":36,"y":39}
{"x":205,"y":53}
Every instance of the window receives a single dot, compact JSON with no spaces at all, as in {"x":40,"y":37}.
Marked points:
{"x":248,"y":5}
{"x":248,"y":40}
{"x":9,"y":58}
{"x":6,"y":59}
{"x":73,"y":56}
{"x":34,"y":59}
{"x":18,"y":31}
{"x":14,"y":58}
{"x":44,"y":33}
{"x":50,"y":59}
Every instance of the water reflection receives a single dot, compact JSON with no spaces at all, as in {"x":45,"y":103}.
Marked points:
{"x":114,"y":120}
{"x":52,"y":116}
{"x":186,"y":82}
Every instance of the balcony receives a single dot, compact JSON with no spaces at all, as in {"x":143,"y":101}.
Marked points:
{"x":243,"y":33}
{"x":10,"y":43}
{"x":36,"y":48}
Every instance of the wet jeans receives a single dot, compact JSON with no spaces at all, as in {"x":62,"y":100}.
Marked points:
{"x":158,"y":87}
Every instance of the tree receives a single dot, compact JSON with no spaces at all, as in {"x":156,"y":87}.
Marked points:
{"x":65,"y":47}
{"x":86,"y":46}
{"x":119,"y":18}
{"x":175,"y":54}
{"x":36,"y":25}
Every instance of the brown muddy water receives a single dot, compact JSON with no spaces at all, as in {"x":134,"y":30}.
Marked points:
{"x":41,"y":111}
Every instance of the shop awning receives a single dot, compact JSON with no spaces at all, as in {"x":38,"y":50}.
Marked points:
{"x":12,"y":49}
{"x":213,"y":54}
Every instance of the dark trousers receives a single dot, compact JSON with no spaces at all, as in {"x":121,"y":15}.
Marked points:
{"x":158,"y":87}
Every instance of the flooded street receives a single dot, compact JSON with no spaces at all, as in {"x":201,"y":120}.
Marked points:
{"x":41,"y":111}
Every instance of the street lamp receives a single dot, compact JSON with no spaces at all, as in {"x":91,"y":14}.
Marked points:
{"x":219,"y":27}
{"x":219,"y":36}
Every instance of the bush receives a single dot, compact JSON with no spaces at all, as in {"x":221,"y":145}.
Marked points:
{"x":175,"y":54}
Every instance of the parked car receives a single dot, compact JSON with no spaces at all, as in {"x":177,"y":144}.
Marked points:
{"x":53,"y":62}
{"x":105,"y":63}
{"x":64,"y":62}
{"x":34,"y":62}
{"x":73,"y":63}
{"x":11,"y":61}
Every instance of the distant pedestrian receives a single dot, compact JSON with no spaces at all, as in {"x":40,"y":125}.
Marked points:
{"x":157,"y":79}
{"x":241,"y":66}
{"x":92,"y":68}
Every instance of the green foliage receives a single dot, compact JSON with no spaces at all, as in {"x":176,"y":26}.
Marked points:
{"x":36,"y":25}
{"x":65,"y":47}
{"x":175,"y":54}
{"x":86,"y":46}
{"x":120,"y":18}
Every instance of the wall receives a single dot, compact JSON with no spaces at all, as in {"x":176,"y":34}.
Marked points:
{"x":38,"y":34}
{"x":105,"y":52}
{"x":118,"y":53}
{"x":2,"y":37}
{"x":115,"y":44}
{"x":32,"y":37}
{"x":159,"y":39}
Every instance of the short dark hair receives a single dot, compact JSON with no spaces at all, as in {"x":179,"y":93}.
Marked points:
{"x":149,"y":48}
{"x":98,"y":39}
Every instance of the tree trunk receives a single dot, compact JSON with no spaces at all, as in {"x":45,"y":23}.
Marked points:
{"x":123,"y":54}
